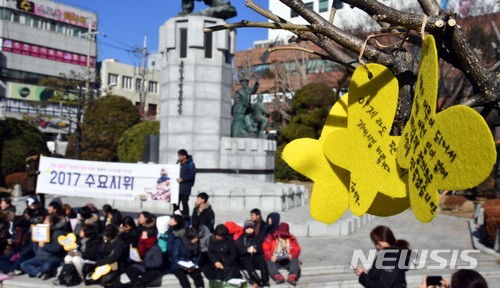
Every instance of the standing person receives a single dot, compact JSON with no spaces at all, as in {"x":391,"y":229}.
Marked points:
{"x":223,"y":255}
{"x":251,"y":256}
{"x":32,"y":164}
{"x":203,"y":213}
{"x":260,"y":225}
{"x":383,"y":238}
{"x":281,"y":250}
{"x":186,"y":180}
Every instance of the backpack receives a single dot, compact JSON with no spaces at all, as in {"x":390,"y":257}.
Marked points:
{"x":69,"y":275}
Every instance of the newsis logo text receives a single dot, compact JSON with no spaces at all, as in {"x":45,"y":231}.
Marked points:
{"x":388,"y":259}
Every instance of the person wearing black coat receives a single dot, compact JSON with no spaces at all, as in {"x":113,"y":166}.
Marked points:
{"x":272,"y":223}
{"x":203,"y":213}
{"x":223,"y":255}
{"x":187,"y":248}
{"x":251,"y":256}
{"x":186,"y":180}
{"x":142,"y":273}
{"x":88,"y":246}
{"x":109,"y":252}
{"x":260,"y":224}
{"x":392,"y":275}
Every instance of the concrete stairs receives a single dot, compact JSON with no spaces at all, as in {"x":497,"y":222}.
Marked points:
{"x":333,"y":276}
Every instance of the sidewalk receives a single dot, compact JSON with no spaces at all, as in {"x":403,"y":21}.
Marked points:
{"x":326,"y":260}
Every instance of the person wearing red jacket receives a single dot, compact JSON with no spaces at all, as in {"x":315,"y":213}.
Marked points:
{"x":281,"y":250}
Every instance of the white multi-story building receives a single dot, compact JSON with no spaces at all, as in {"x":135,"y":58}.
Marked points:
{"x":348,"y":18}
{"x":40,"y":39}
{"x":132,"y":82}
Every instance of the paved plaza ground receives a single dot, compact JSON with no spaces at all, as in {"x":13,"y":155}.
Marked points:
{"x":326,"y":260}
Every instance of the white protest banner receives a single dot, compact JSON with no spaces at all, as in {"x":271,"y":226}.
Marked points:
{"x":108,"y":180}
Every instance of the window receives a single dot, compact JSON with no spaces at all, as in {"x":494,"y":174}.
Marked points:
{"x":138,"y":84}
{"x":153,"y":87}
{"x":126,"y":82}
{"x":112,"y":79}
{"x":183,"y":40}
{"x":152,"y":109}
{"x":208,"y":41}
{"x":208,"y":44}
{"x":323,"y":5}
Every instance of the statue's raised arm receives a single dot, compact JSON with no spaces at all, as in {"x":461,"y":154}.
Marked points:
{"x":217,"y":8}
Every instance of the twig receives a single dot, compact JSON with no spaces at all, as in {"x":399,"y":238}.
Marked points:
{"x":323,"y":56}
{"x":247,"y":24}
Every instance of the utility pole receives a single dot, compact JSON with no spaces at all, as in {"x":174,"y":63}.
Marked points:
{"x":142,"y":75}
{"x":86,"y":94}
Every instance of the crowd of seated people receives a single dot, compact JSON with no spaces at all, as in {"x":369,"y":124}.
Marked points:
{"x":144,"y":249}
{"x":147,"y":248}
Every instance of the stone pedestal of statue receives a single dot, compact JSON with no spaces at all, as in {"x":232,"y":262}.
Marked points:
{"x":196,"y":91}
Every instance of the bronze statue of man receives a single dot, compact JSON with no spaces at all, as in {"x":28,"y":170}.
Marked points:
{"x":217,"y":8}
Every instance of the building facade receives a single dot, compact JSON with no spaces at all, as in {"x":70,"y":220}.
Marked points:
{"x":347,"y":18}
{"x":139,"y":85}
{"x":42,"y":39}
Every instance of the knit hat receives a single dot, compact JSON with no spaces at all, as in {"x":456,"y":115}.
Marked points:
{"x":248,"y":224}
{"x":283,"y":229}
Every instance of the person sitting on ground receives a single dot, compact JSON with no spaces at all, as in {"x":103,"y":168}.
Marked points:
{"x":146,"y":221}
{"x":48,"y":256}
{"x":108,"y":253}
{"x":88,"y":245}
{"x":462,"y":278}
{"x":54,"y":208}
{"x":85,"y":216}
{"x":251,"y":256}
{"x":149,"y":269}
{"x":383,"y":238}
{"x":175,"y":232}
{"x":187,"y":249}
{"x":203,"y":213}
{"x":111,"y":216}
{"x":34,"y":212}
{"x":204,"y":236}
{"x":272,"y":223}
{"x":10,"y":263}
{"x":162,"y":224}
{"x":7,"y":208}
{"x":222,"y":254}
{"x":68,"y":211}
{"x":260,"y":224}
{"x":128,"y":233}
{"x":281,"y":250}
